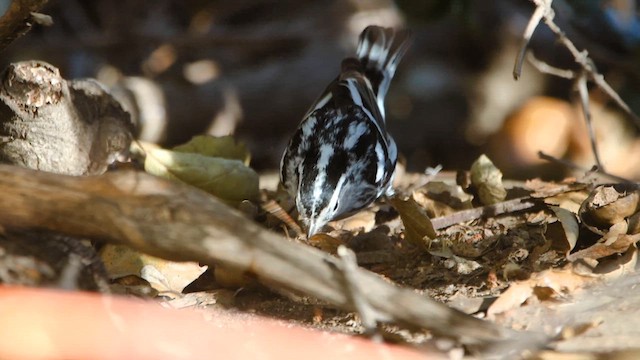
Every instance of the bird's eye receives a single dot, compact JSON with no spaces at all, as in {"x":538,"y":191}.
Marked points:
{"x":335,"y":207}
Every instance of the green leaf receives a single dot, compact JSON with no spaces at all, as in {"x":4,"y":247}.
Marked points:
{"x":225,"y":147}
{"x":226,"y":179}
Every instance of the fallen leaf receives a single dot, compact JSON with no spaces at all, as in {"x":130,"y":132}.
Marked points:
{"x":570,"y":200}
{"x":325,"y":242}
{"x":487,"y":179}
{"x":616,"y":241}
{"x":570,"y":227}
{"x":545,"y":285}
{"x":226,"y":179}
{"x":225,"y":147}
{"x":608,"y":205}
{"x":574,"y":330}
{"x":618,"y":266}
{"x":417,"y":225}
{"x":363,"y":221}
{"x":163,"y":275}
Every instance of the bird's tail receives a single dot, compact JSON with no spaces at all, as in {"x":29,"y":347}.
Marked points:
{"x":380,"y":50}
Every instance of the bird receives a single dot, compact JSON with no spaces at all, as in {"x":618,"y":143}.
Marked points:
{"x":341,"y":157}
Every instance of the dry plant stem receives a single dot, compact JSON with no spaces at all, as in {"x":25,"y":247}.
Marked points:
{"x":18,"y":19}
{"x":368,"y":316}
{"x":505,"y":207}
{"x":580,"y":84}
{"x":581,"y":57}
{"x":571,"y":165}
{"x":526,"y":38}
{"x":545,"y":12}
{"x":545,"y":68}
{"x":177,"y":222}
{"x":273,"y":208}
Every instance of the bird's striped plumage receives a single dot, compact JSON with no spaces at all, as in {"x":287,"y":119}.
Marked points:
{"x":341,"y":158}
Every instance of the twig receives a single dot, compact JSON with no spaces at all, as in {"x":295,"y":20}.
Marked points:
{"x":545,"y":68}
{"x":571,"y":165}
{"x":509,"y":206}
{"x":368,"y":316}
{"x":581,"y":57}
{"x":544,"y":12}
{"x":526,"y":38}
{"x":580,"y":84}
{"x":602,"y":84}
{"x":273,"y":208}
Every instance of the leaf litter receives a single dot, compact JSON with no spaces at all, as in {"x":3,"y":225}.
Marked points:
{"x":521,"y":249}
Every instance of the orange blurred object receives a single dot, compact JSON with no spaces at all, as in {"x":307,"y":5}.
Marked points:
{"x":558,"y":128}
{"x":541,"y":124}
{"x":51,"y":324}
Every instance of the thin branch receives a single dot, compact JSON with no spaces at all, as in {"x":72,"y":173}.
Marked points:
{"x":273,"y":208}
{"x":545,"y":68}
{"x":580,"y":85}
{"x":602,"y":84}
{"x":509,"y":206}
{"x":368,"y":315}
{"x":573,"y":166}
{"x":544,"y":12}
{"x":583,"y":59}
{"x":526,"y":38}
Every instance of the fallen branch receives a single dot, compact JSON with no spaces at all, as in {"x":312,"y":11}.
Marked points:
{"x":178,"y":222}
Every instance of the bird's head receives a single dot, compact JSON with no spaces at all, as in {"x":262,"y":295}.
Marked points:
{"x":326,"y":201}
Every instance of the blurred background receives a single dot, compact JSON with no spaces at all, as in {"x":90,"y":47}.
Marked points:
{"x":252,"y":68}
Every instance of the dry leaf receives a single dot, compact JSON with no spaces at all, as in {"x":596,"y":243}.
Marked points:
{"x":608,"y":205}
{"x":163,"y":275}
{"x":570,"y":227}
{"x":325,"y":242}
{"x":417,"y":224}
{"x":488,"y":181}
{"x":545,"y":285}
{"x":226,"y":179}
{"x":225,"y":147}
{"x":616,"y":241}
{"x":363,"y":221}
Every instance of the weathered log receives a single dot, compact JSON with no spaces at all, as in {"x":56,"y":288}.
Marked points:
{"x":48,"y":123}
{"x":178,"y":222}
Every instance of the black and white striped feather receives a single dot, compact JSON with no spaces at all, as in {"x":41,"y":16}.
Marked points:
{"x":341,"y":158}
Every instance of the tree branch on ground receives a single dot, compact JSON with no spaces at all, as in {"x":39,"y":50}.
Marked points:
{"x":178,"y":222}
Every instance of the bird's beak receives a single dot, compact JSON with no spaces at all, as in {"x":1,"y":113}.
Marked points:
{"x":313,"y":228}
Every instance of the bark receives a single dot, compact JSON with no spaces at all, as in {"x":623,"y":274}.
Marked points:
{"x":178,"y":222}
{"x":51,"y":124}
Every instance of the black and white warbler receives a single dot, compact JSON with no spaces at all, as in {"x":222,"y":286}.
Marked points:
{"x":341,"y":158}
